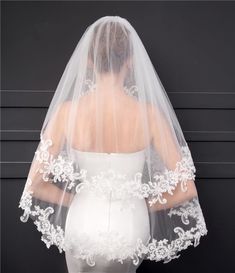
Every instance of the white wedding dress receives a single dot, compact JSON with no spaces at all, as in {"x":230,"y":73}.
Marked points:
{"x":101,"y":225}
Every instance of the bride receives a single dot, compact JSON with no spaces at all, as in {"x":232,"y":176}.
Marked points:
{"x":112,"y":179}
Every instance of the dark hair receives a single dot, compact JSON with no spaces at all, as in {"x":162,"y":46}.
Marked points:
{"x":116,"y":38}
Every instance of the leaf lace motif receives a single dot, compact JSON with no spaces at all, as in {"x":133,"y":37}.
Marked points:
{"x":62,"y":169}
{"x":51,"y":235}
{"x":111,"y":243}
{"x":165,"y":250}
{"x":168,"y":181}
{"x":90,"y":86}
{"x":118,"y":248}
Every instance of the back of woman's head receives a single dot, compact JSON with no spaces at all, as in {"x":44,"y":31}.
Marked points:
{"x":110,"y":47}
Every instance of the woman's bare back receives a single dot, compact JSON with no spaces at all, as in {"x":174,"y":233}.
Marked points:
{"x":118,"y":129}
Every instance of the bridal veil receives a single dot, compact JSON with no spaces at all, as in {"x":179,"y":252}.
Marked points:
{"x":92,"y":112}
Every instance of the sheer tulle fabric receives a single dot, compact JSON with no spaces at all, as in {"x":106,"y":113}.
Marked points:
{"x":112,"y":179}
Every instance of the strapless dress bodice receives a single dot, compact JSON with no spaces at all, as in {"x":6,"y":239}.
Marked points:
{"x":122,"y":163}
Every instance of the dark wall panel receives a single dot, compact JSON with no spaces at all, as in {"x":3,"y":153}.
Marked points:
{"x":191,"y":45}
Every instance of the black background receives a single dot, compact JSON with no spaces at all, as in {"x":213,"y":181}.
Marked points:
{"x":191,"y":45}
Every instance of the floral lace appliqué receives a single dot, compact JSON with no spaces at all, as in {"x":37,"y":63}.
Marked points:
{"x":165,"y":250}
{"x":110,"y":244}
{"x":51,"y":235}
{"x":168,"y":181}
{"x":59,"y":167}
{"x":62,"y":169}
{"x":108,"y":184}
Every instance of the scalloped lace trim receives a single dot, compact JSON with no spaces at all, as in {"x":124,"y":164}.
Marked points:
{"x":117,"y":247}
{"x":165,"y":250}
{"x":51,"y":235}
{"x":62,"y":169}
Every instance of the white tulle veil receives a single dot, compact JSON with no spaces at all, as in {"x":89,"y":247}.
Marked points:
{"x":110,"y":101}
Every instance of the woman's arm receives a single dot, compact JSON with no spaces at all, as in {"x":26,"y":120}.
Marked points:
{"x":45,"y":190}
{"x":161,"y":133}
